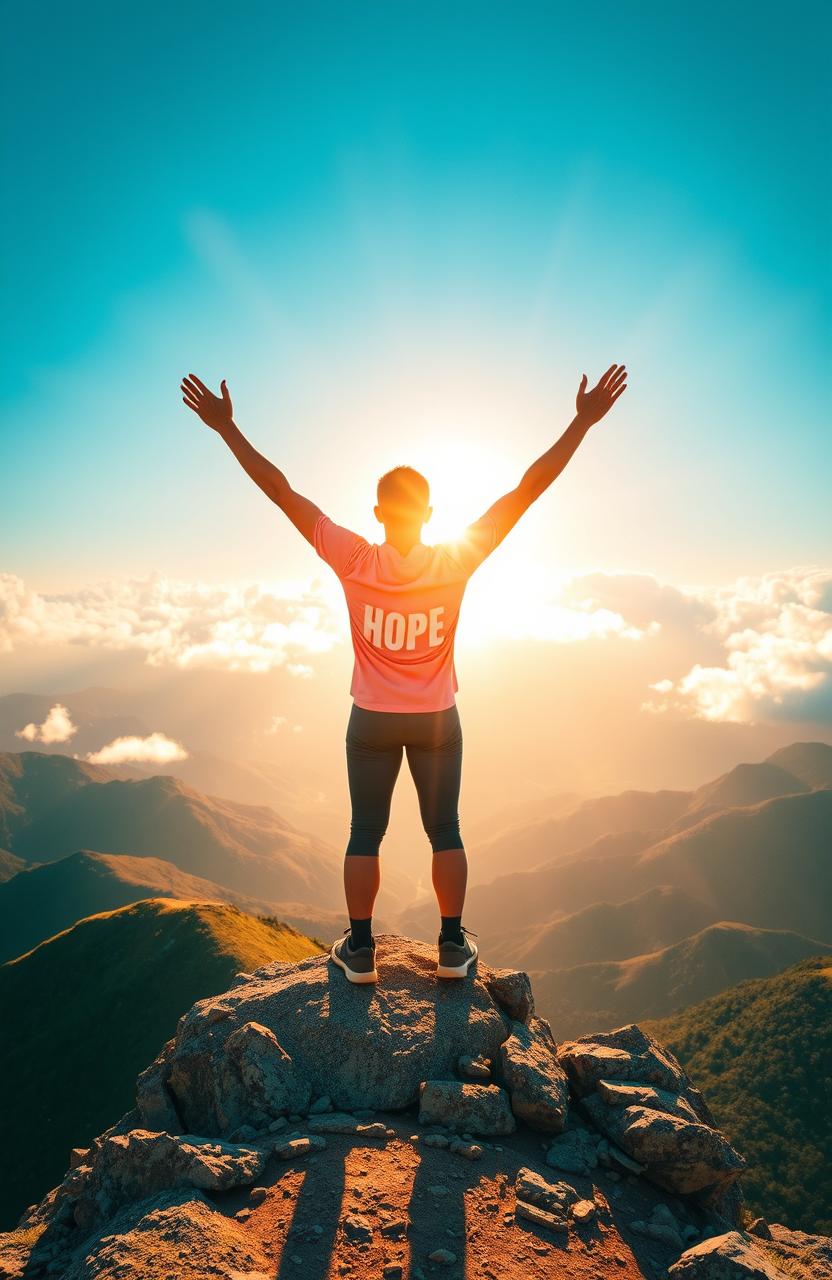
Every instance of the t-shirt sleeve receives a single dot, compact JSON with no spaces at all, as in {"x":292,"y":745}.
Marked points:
{"x":336,"y":545}
{"x":475,"y":545}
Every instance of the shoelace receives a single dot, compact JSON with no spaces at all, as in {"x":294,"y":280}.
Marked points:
{"x":468,"y":932}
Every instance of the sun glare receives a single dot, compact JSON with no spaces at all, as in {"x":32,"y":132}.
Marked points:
{"x":464,"y":481}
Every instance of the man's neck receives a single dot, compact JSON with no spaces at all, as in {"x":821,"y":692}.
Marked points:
{"x":402,"y":540}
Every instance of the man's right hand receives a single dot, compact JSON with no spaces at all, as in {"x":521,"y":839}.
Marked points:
{"x":215,"y":411}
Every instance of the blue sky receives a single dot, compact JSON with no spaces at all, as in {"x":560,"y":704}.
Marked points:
{"x":402,"y":232}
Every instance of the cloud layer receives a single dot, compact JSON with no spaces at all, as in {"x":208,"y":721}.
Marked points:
{"x":249,"y":627}
{"x":776,"y":636}
{"x":759,"y":649}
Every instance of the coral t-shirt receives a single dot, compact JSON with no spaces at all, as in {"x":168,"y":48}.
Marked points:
{"x":403,"y":612}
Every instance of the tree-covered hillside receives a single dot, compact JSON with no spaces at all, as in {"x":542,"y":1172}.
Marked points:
{"x":762,"y":1055}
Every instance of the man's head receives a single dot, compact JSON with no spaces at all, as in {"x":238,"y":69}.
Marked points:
{"x":403,"y":499}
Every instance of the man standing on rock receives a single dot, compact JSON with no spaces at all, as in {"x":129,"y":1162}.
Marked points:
{"x":404,"y":599}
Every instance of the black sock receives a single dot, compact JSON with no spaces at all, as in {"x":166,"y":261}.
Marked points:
{"x":361,"y":934}
{"x":452,"y":929}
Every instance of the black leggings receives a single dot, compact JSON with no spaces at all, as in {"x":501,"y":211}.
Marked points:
{"x":375,"y":742}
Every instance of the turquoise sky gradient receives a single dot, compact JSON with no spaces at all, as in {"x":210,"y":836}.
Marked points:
{"x":402,"y":232}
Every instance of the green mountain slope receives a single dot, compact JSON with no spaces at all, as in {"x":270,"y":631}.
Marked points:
{"x":91,"y":1007}
{"x":762,"y":1055}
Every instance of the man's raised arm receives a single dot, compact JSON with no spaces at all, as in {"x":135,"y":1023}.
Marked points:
{"x":590,"y":408}
{"x":217,"y":412}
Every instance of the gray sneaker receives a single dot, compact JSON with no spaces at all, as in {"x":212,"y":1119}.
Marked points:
{"x":454,"y":959}
{"x":358,"y":965}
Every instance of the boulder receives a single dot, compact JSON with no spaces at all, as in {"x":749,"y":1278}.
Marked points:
{"x":626,"y":1094}
{"x":627,"y":1055}
{"x":801,"y":1251}
{"x":681,"y":1155}
{"x":512,"y":991}
{"x":482,"y":1109}
{"x":637,"y":1094}
{"x":537,"y":1084}
{"x":317,"y":1034}
{"x":257,"y":1079}
{"x":131,"y":1167}
{"x":733,"y":1256}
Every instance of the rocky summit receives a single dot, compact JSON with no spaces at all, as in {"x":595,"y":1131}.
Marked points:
{"x":297,"y":1125}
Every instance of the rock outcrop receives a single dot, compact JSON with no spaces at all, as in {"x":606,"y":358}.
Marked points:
{"x":396,"y":1093}
{"x":289,"y":1033}
{"x":636,"y":1093}
{"x":770,"y":1253}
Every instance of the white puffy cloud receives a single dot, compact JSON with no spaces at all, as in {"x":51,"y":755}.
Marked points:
{"x":775,"y":633}
{"x":243,"y":627}
{"x":154,"y":749}
{"x":57,"y":727}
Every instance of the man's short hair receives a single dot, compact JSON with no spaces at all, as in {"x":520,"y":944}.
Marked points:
{"x":403,"y":488}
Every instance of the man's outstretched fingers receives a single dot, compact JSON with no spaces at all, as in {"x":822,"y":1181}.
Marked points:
{"x":602,"y":381}
{"x":201,"y":385}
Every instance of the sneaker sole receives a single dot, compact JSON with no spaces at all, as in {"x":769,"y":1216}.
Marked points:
{"x":360,"y":979}
{"x":458,"y":971}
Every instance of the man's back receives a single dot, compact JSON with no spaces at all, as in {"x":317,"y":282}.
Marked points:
{"x":403,"y":612}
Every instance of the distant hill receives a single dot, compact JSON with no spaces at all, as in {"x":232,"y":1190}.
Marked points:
{"x":609,"y":993}
{"x":769,"y":866}
{"x":745,"y":785}
{"x":529,"y":844}
{"x":809,"y":761}
{"x":92,"y":1006}
{"x":762,"y":1054}
{"x":46,"y":899}
{"x":605,"y":930}
{"x":31,"y":781}
{"x":51,"y":806}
